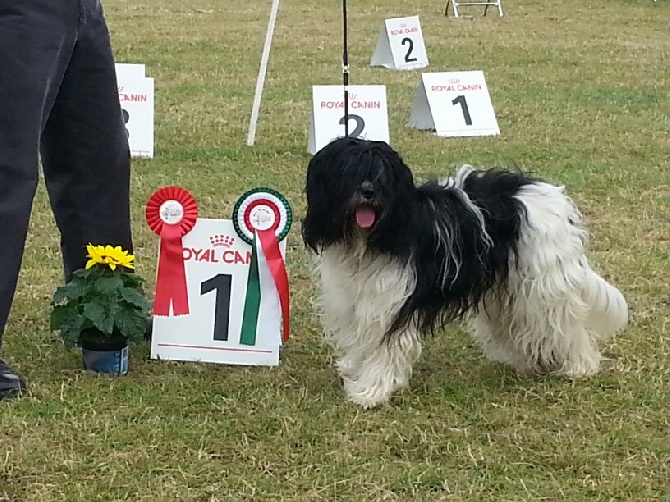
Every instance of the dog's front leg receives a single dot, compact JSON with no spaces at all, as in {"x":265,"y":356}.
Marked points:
{"x":372,"y":372}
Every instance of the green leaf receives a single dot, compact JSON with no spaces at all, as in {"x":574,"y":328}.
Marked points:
{"x":100,"y":316}
{"x":132,"y":325}
{"x":135,"y":298}
{"x":59,"y":296}
{"x":73,"y":290}
{"x":70,"y":337}
{"x":131,"y":279}
{"x":69,"y":322}
{"x":108,"y":286}
{"x":56,"y":317}
{"x":83,"y":274}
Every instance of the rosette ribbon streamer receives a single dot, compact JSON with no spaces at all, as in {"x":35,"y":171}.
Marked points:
{"x":262,"y":218}
{"x":171,"y":213}
{"x":265,"y":257}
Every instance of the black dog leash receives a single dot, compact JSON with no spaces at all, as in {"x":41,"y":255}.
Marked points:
{"x":345,"y":70}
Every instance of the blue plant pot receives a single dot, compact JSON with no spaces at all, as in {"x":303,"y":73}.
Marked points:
{"x":104,"y":354}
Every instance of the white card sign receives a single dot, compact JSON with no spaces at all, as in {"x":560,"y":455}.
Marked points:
{"x":368,"y":114}
{"x":454,"y":104}
{"x":136,"y":95}
{"x":400,"y":45}
{"x":126,"y":71}
{"x":216,"y":263}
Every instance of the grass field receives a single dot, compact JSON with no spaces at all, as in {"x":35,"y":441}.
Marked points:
{"x":581,"y":91}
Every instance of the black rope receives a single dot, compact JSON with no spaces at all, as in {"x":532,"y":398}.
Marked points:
{"x":345,"y":70}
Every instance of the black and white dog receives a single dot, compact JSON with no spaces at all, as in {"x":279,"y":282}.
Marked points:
{"x":396,"y":261}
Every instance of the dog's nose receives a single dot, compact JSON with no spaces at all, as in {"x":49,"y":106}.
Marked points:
{"x":367,"y":190}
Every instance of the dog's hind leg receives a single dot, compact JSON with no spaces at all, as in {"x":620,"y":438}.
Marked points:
{"x":371,"y":374}
{"x":549,"y":320}
{"x":608,"y":310}
{"x":606,"y":313}
{"x":491,"y":328}
{"x":552,"y":290}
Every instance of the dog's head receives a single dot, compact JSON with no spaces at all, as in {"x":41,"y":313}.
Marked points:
{"x":358,"y":191}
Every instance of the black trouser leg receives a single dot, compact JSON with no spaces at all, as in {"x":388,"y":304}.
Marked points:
{"x":36,"y":40}
{"x":85,"y":152}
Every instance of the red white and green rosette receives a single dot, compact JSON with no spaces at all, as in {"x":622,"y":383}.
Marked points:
{"x":171,"y":213}
{"x":262,"y":217}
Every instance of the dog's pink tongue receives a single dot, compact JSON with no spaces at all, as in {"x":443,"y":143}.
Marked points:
{"x":365,"y":217}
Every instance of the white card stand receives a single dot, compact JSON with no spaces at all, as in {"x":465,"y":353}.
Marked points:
{"x":368,"y":114}
{"x":486,"y":5}
{"x":454,"y":104}
{"x":400,"y":45}
{"x":127,"y":71}
{"x":136,"y":95}
{"x":216,"y":262}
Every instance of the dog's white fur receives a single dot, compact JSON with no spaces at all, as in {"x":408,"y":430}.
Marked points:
{"x":555,"y":308}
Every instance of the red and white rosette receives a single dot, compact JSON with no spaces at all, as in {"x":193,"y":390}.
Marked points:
{"x":262,"y":217}
{"x":171,"y":213}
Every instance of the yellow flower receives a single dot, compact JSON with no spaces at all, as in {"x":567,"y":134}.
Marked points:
{"x":109,"y":256}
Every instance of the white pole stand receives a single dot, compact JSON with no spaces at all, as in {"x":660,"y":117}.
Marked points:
{"x":457,"y":4}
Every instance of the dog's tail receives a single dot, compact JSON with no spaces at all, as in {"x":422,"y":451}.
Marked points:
{"x":608,"y":309}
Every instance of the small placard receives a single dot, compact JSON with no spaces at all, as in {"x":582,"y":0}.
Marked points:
{"x":129,"y":71}
{"x":136,"y":95}
{"x":454,"y":104}
{"x":368,"y":114}
{"x":216,"y":263}
{"x":400,"y":45}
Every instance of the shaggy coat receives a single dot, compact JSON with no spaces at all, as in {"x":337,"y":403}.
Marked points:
{"x":500,"y":250}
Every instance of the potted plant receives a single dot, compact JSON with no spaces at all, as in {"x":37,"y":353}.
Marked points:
{"x":101,"y":309}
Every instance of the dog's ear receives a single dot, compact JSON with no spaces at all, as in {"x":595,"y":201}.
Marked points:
{"x":320,"y":174}
{"x":310,"y":224}
{"x":310,"y":239}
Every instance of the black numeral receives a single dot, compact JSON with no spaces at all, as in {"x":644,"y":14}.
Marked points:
{"x":126,"y":118}
{"x":460,"y":100}
{"x":360,"y":125}
{"x":221,"y":283}
{"x":410,"y":42}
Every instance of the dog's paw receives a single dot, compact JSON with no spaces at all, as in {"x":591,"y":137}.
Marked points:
{"x":527,"y":372}
{"x":579,"y":370}
{"x":363,"y":396}
{"x":367,"y":403}
{"x":345,"y":368}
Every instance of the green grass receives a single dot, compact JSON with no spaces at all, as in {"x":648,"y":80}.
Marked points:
{"x":581,"y":91}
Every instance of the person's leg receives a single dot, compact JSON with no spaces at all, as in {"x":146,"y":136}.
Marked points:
{"x":36,"y":40}
{"x":85,"y":153}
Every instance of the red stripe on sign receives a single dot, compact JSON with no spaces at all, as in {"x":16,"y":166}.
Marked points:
{"x":228,"y":349}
